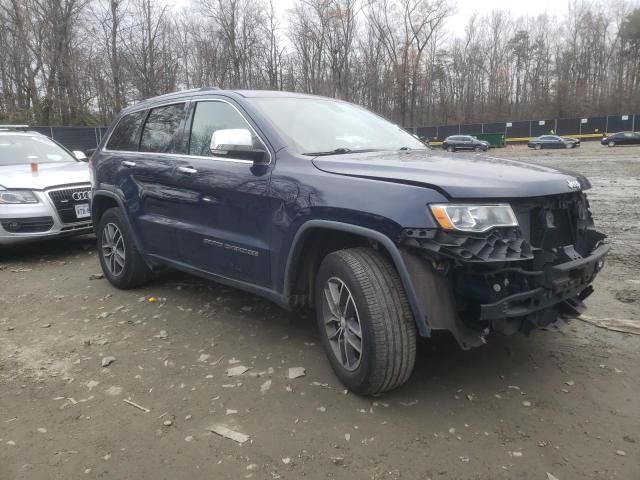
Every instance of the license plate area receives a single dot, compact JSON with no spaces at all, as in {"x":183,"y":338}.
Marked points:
{"x":82,"y":210}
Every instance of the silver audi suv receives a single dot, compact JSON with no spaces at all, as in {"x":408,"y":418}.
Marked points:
{"x":44,"y":188}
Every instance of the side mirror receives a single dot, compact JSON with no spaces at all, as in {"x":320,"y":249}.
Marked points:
{"x":89,"y":152}
{"x":79,"y":155}
{"x":236,"y":142}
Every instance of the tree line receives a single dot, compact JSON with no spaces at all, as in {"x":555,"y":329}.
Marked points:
{"x":79,"y":62}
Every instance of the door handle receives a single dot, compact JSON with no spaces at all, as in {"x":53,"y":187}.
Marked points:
{"x":189,"y":170}
{"x":129,"y":164}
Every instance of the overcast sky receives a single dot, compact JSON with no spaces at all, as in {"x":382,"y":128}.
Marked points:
{"x":464,"y":9}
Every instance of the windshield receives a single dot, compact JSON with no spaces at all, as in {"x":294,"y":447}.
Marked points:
{"x":317,"y":125}
{"x":25,"y":149}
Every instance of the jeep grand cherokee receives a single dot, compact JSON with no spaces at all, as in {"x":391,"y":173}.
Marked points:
{"x":315,"y":202}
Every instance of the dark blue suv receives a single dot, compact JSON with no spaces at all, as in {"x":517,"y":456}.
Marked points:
{"x":315,"y":202}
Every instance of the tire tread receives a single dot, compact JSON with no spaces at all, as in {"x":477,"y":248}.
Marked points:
{"x":390,"y":315}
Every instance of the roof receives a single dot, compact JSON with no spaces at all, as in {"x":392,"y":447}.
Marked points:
{"x":149,"y":102}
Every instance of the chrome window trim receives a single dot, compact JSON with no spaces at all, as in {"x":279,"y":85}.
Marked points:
{"x":182,"y":155}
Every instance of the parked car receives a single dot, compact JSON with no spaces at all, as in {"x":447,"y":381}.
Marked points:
{"x":621,"y":138}
{"x":454,"y":143}
{"x":553,"y":141}
{"x":314,"y":202}
{"x":44,"y":188}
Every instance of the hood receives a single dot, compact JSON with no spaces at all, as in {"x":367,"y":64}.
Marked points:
{"x":457,"y":176}
{"x":48,"y":175}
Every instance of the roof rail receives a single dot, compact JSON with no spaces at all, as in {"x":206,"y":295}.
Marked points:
{"x":14,"y":127}
{"x":181,"y":92}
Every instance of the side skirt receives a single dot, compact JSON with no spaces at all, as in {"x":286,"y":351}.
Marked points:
{"x":269,"y":294}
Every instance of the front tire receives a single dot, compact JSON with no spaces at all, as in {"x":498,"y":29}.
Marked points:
{"x":538,"y":147}
{"x":451,"y":149}
{"x":611,"y":144}
{"x":121,"y":262}
{"x":479,"y":149}
{"x":366,"y":325}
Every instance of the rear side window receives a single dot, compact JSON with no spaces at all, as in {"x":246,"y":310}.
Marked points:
{"x":209,"y":117}
{"x":126,"y":134}
{"x":161,"y":132}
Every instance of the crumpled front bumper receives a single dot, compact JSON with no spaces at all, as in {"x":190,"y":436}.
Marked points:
{"x":475,"y":286}
{"x":567,"y":283}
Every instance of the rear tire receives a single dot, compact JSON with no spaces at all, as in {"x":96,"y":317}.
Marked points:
{"x":120,"y":260}
{"x":387,"y":330}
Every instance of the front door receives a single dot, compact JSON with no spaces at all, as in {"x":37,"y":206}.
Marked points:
{"x":225,"y":213}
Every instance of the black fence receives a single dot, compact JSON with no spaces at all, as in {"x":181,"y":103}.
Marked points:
{"x":534,"y":128}
{"x":84,"y":138}
{"x":74,"y":138}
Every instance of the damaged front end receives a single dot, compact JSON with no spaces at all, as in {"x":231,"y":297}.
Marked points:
{"x":508,"y":279}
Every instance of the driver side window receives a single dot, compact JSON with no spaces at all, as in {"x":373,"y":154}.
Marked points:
{"x":210,"y":117}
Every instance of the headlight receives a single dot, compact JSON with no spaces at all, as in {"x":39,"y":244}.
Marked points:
{"x":473,"y":218}
{"x":17,"y":196}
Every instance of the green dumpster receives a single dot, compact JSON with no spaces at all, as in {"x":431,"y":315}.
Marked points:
{"x":494,"y":139}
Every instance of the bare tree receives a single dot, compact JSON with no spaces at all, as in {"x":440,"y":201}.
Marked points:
{"x":81,"y":61}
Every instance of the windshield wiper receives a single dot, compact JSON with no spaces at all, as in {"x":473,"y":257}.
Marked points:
{"x":337,"y":151}
{"x":342,"y":151}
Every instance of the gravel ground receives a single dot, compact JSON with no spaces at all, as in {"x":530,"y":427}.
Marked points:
{"x":562,"y":404}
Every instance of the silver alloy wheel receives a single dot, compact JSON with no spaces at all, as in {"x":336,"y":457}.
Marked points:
{"x":113,"y":250}
{"x":342,"y":323}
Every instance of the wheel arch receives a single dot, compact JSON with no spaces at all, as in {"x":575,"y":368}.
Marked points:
{"x":303,"y":259}
{"x":101,"y":201}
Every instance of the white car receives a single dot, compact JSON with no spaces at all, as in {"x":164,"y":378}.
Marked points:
{"x":44,"y":188}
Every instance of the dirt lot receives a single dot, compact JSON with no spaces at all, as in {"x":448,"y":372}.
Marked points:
{"x":559,"y":404}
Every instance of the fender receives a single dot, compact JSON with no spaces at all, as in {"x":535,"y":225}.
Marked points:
{"x":421,"y":321}
{"x":113,"y":196}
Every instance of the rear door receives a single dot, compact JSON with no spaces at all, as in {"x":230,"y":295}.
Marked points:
{"x":146,"y":179}
{"x":225,"y":212}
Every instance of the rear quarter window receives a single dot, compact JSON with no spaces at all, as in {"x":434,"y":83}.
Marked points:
{"x":126,"y":134}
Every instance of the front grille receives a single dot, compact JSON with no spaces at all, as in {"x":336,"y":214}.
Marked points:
{"x":561,"y":221}
{"x":27,"y":225}
{"x":65,"y":202}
